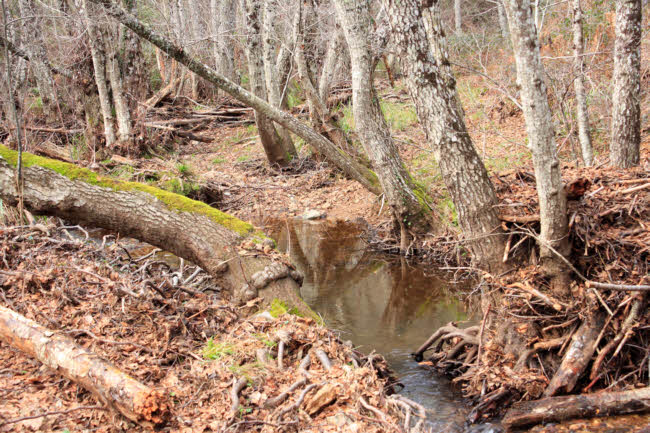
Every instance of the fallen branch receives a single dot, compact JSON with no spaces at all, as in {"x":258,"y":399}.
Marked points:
{"x":273,"y":402}
{"x":111,"y":386}
{"x":324,"y":359}
{"x":56,"y":412}
{"x":579,"y":406}
{"x":237,"y":386}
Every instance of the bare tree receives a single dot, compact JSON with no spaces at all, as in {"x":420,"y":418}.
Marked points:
{"x":626,"y":116}
{"x":541,"y":135}
{"x":458,"y":16}
{"x":582,"y":114}
{"x":408,"y":209}
{"x":503,"y":19}
{"x":435,"y":101}
{"x":275,"y":149}
{"x":99,"y":65}
{"x":36,"y":51}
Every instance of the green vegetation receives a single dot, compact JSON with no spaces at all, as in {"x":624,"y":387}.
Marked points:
{"x":215,"y":351}
{"x":218,"y":160}
{"x":184,"y":169}
{"x":399,"y":115}
{"x":173,"y":201}
{"x":243,"y":158}
{"x":264,"y":338}
{"x":278,"y":308}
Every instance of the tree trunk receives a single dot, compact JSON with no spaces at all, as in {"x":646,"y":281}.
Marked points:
{"x":225,"y":50}
{"x":194,"y":18}
{"x":375,"y":136}
{"x":582,"y":114}
{"x":122,"y":112}
{"x":189,"y":229}
{"x":36,"y":51}
{"x":554,"y":409}
{"x":272,"y":75}
{"x":462,"y":169}
{"x":111,"y":386}
{"x":330,"y":64}
{"x":458,"y":16}
{"x":503,"y":20}
{"x":99,"y":67}
{"x":343,"y":161}
{"x":541,"y":136}
{"x":626,"y":99}
{"x":273,"y":145}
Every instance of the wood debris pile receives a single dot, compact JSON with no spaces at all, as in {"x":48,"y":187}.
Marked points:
{"x":535,"y":342}
{"x":168,"y":328}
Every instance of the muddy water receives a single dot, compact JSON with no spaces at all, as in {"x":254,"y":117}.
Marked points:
{"x":388,"y":307}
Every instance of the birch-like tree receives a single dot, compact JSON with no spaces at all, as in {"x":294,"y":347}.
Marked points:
{"x":541,"y":136}
{"x":399,"y":189}
{"x":626,"y":99}
{"x":584,"y":134}
{"x":435,"y":100}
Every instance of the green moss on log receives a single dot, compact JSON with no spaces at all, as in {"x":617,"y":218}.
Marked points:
{"x":173,"y":201}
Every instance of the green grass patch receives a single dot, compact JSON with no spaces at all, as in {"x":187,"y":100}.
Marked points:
{"x":219,"y":160}
{"x":215,"y":351}
{"x":398,"y":115}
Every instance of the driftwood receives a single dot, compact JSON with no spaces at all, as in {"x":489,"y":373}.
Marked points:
{"x":578,"y":406}
{"x":111,"y":386}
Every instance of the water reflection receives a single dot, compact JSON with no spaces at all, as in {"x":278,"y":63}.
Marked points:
{"x":389,"y":307}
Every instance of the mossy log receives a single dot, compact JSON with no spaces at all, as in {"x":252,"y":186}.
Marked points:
{"x":187,"y":228}
{"x":110,"y":385}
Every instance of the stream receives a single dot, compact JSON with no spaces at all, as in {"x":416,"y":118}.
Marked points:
{"x":386,"y":306}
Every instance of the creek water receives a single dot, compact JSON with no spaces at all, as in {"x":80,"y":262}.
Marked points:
{"x":390,"y":307}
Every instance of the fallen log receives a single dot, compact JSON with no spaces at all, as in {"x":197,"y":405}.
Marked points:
{"x":554,"y":409}
{"x":110,"y":385}
{"x":189,"y":229}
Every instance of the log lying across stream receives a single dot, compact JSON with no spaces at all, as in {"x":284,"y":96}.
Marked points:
{"x":111,"y":386}
{"x":187,"y":228}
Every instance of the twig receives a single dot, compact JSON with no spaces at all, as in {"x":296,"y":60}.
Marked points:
{"x":324,"y":359}
{"x":298,"y":402}
{"x":372,"y":409}
{"x":273,"y":402}
{"x":57,"y":412}
{"x":237,"y":386}
{"x":107,"y":341}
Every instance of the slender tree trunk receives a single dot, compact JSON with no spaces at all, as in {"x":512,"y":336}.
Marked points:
{"x":34,"y":48}
{"x":272,"y":75}
{"x":122,"y":113}
{"x":458,"y":16}
{"x":226,"y":52}
{"x":582,"y":114}
{"x":626,"y":116}
{"x":541,"y":135}
{"x":462,"y":169}
{"x":408,"y":209}
{"x":194,"y":18}
{"x":330,"y":64}
{"x":503,"y":20}
{"x":271,"y":141}
{"x":339,"y":158}
{"x":99,"y":67}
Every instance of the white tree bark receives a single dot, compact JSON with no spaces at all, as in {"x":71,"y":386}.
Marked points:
{"x":462,"y":169}
{"x":582,"y":114}
{"x":272,"y":75}
{"x":375,"y":136}
{"x":124,"y":133}
{"x":271,"y":141}
{"x":99,"y":66}
{"x":330,"y":64}
{"x":503,"y":19}
{"x":626,"y":115}
{"x":226,"y":53}
{"x":458,"y":16}
{"x":541,"y":134}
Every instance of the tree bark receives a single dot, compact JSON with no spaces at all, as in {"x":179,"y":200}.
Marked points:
{"x":187,"y":228}
{"x":99,"y":67}
{"x":458,"y":16}
{"x":503,"y":20}
{"x":122,"y":112}
{"x":343,"y":161}
{"x":626,"y":99}
{"x":461,"y":167}
{"x":273,"y":145}
{"x":396,"y":182}
{"x":330,"y":64}
{"x":225,"y":56}
{"x":541,"y":135}
{"x":555,"y":409}
{"x":272,"y":75}
{"x":582,"y":114}
{"x":111,"y":386}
